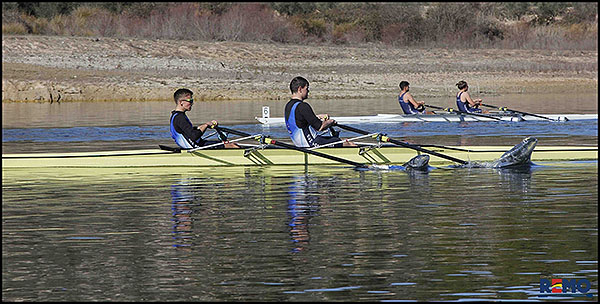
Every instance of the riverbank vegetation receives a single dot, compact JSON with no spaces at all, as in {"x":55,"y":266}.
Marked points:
{"x":506,"y":25}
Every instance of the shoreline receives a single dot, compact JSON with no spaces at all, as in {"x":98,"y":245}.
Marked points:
{"x":56,"y":68}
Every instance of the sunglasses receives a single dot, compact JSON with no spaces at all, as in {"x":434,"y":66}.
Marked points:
{"x":190,"y":100}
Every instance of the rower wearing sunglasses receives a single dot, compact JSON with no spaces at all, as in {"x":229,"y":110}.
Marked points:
{"x":183,"y":132}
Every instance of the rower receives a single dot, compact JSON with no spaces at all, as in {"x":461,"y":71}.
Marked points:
{"x":464,"y":102}
{"x":302,"y":123}
{"x":183,"y":132}
{"x":408,"y":104}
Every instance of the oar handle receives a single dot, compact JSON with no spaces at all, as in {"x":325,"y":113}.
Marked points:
{"x":240,"y":133}
{"x":496,"y":107}
{"x":434,"y":107}
{"x":292,"y":147}
{"x":406,"y":145}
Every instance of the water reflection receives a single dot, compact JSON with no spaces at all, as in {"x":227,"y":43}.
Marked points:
{"x":302,"y":206}
{"x":296,"y":234}
{"x":182,"y":206}
{"x":516,"y":180}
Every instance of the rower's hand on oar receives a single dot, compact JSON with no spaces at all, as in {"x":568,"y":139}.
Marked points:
{"x":212,"y":124}
{"x":478,"y":103}
{"x":323,"y":117}
{"x":330,"y":122}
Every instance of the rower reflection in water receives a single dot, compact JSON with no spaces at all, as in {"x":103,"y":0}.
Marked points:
{"x":182,"y":202}
{"x":302,"y":206}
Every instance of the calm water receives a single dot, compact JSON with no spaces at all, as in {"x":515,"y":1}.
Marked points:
{"x":288,"y":233}
{"x":92,"y":126}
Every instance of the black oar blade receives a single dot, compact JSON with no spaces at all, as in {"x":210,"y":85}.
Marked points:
{"x":517,"y":157}
{"x":418,"y":163}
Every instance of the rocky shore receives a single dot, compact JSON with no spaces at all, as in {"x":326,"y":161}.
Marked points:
{"x":63,"y":69}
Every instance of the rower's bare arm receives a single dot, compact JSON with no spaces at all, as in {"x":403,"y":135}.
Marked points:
{"x":415,"y":103}
{"x":470,"y":100}
{"x":326,"y":124}
{"x":203,"y":127}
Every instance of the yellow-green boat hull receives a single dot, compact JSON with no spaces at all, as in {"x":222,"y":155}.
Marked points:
{"x":276,"y":157}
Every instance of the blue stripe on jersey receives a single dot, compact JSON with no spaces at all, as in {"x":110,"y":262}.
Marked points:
{"x":179,"y":138}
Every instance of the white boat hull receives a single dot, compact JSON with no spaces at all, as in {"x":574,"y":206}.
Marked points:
{"x":395,"y":118}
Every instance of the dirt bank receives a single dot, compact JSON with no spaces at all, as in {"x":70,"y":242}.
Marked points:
{"x":50,"y":68}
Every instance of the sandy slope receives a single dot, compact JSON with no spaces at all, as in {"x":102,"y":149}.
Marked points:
{"x":46,"y":68}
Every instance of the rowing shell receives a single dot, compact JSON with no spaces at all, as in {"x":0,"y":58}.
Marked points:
{"x":277,"y":156}
{"x":446,"y":117}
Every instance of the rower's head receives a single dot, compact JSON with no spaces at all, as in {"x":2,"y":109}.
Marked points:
{"x":299,"y":87}
{"x":404,"y":84}
{"x":462,"y":85}
{"x":183,"y":99}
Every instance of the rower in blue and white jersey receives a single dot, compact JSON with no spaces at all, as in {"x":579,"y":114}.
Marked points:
{"x":303,"y":124}
{"x":183,"y":132}
{"x":408,"y":104}
{"x":464,"y":102}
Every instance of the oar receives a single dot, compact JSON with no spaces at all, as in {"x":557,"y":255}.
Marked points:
{"x":288,"y":146}
{"x":468,"y":113}
{"x":515,"y":111}
{"x":406,"y":145}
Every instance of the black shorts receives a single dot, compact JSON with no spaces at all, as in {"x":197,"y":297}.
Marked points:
{"x":323,"y":140}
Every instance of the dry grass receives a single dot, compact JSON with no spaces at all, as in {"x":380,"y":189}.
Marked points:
{"x":258,"y":22}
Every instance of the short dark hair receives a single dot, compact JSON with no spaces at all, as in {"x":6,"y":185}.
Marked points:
{"x":182,"y":92}
{"x":298,"y":82}
{"x":403,"y":84}
{"x":461,"y":84}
